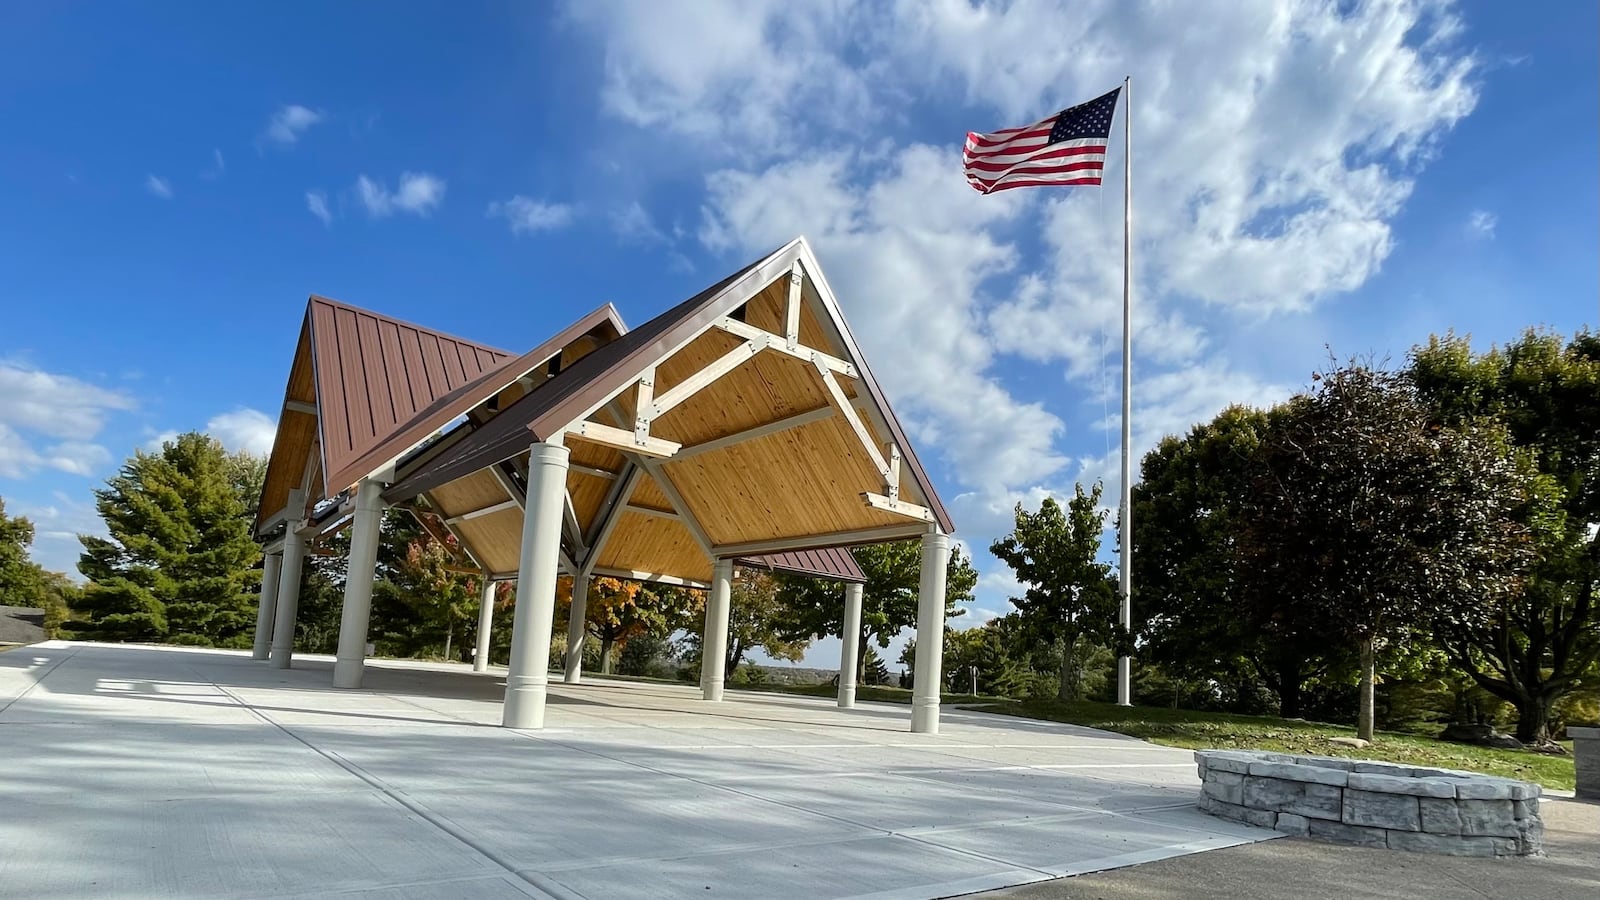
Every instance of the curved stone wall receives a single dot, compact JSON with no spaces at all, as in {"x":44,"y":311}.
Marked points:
{"x":1375,"y":804}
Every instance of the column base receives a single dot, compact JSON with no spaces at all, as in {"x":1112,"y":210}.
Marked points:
{"x":711,"y":692}
{"x":264,"y":653}
{"x":347,"y":673}
{"x":925,"y":718}
{"x":524,"y":703}
{"x":480,"y":666}
{"x":280,"y":658}
{"x":572,"y":678}
{"x":847,"y":698}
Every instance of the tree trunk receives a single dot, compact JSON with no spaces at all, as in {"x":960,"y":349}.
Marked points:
{"x":1290,"y":679}
{"x":606,"y":643}
{"x":1533,"y":720}
{"x":735,"y":656}
{"x":1068,"y":690}
{"x":861,"y":658}
{"x":1368,"y":674}
{"x":449,"y":633}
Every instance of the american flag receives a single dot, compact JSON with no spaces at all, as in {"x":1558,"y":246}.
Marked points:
{"x":1067,"y":148}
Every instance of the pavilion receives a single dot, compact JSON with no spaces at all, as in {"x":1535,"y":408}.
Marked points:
{"x":741,"y":426}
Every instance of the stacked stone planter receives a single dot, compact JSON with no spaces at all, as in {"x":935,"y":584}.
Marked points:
{"x":1373,"y":804}
{"x":1586,"y":757}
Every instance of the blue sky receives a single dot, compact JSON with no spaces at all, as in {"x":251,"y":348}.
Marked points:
{"x":177,"y":180}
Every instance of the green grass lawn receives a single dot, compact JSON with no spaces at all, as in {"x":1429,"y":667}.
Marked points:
{"x":1204,"y":730}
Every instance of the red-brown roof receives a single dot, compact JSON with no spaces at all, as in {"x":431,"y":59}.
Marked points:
{"x":468,"y":396}
{"x":375,"y":375}
{"x":561,"y":400}
{"x":835,"y":563}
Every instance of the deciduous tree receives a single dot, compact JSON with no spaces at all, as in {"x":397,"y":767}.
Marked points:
{"x":1069,"y":595}
{"x":815,"y":607}
{"x":1545,"y":391}
{"x":1377,"y":520}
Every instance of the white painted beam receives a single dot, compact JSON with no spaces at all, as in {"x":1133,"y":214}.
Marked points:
{"x":898,"y":507}
{"x":798,"y":351}
{"x":627,"y":441}
{"x":655,"y":577}
{"x":843,"y":405}
{"x":791,"y":318}
{"x":702,"y":379}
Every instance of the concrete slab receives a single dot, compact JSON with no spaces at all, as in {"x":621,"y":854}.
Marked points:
{"x":177,"y":772}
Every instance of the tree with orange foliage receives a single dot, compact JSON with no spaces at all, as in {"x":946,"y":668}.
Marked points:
{"x":619,"y":610}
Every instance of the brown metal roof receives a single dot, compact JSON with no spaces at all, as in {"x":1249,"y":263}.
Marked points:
{"x":506,"y":434}
{"x":835,"y":563}
{"x":376,"y":374}
{"x":568,"y":396}
{"x":468,"y":396}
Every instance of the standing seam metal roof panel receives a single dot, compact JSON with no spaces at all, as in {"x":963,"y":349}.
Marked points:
{"x":374,"y":374}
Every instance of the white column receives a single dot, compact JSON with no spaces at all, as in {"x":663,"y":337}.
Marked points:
{"x":267,"y":609}
{"x":714,"y":641}
{"x":294,"y":555}
{"x":928,"y":677}
{"x":528,"y":681}
{"x":361,"y":571}
{"x":480,"y":659}
{"x":850,"y":644}
{"x":575,"y":630}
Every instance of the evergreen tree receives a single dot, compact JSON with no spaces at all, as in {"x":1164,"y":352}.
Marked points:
{"x":178,"y":563}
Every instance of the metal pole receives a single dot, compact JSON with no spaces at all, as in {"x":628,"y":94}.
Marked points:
{"x":1125,"y":573}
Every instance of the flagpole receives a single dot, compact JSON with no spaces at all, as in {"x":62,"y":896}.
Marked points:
{"x":1125,"y":572}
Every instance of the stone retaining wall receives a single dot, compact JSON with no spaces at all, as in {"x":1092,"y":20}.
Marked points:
{"x":1373,"y":804}
{"x":1586,"y":757}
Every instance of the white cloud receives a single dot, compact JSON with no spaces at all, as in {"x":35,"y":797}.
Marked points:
{"x":244,"y":429}
{"x":34,"y":402}
{"x":633,"y":224}
{"x":289,"y":122}
{"x":317,"y":203}
{"x":419,"y":193}
{"x":56,"y":526}
{"x":689,"y":67}
{"x":1276,"y":142}
{"x":158,"y":186}
{"x":526,"y":215}
{"x":58,"y":406}
{"x":1481,"y":223}
{"x":77,"y":457}
{"x":17,"y":458}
